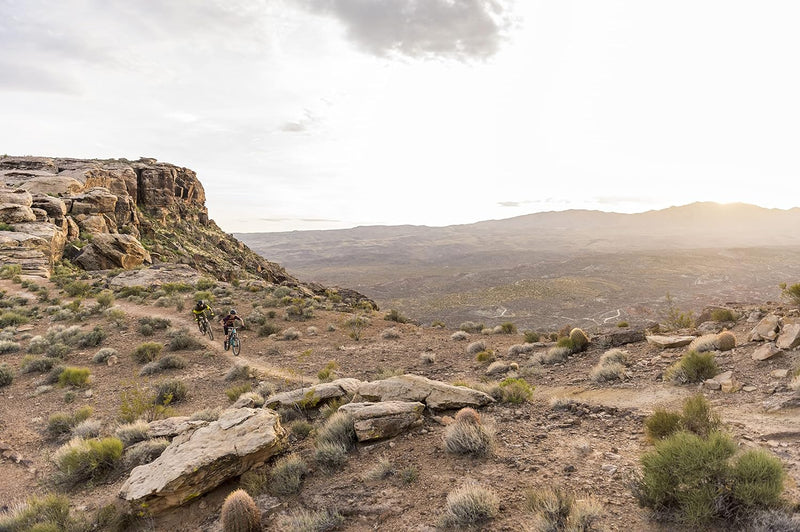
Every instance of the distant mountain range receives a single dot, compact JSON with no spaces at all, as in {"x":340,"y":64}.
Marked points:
{"x":413,"y":267}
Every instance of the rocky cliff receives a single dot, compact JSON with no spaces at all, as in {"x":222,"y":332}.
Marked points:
{"x":107,"y":214}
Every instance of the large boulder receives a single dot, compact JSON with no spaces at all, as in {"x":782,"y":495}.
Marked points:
{"x":54,"y":236}
{"x":31,"y":252}
{"x":765,"y":352}
{"x":15,"y":196}
{"x":198,"y":462}
{"x":52,"y":184}
{"x":436,"y":395}
{"x":376,"y":421}
{"x":108,"y":251}
{"x":669,"y":342}
{"x":314,"y":395}
{"x":96,"y":200}
{"x":54,"y":207}
{"x":767,"y":329}
{"x":156,"y":275}
{"x":618,"y":337}
{"x":13,"y":213}
{"x":789,"y":337}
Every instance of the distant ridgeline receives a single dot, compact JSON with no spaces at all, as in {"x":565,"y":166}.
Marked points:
{"x":115,"y":213}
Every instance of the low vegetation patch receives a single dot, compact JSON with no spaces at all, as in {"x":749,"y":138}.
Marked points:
{"x":469,"y":505}
{"x":696,"y":417}
{"x":47,"y":513}
{"x":170,"y":392}
{"x":61,"y":423}
{"x":80,"y":460}
{"x":467,"y":435}
{"x":516,"y":391}
{"x":147,"y":352}
{"x":74,"y":376}
{"x":302,"y":520}
{"x":692,"y":367}
{"x":557,"y":509}
{"x":287,"y":474}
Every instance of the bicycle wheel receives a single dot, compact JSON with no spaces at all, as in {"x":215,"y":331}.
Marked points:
{"x":209,"y":330}
{"x":200,"y":325}
{"x":236,"y":344}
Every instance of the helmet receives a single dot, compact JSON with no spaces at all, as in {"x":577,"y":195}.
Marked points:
{"x":200,"y":303}
{"x":232,"y":311}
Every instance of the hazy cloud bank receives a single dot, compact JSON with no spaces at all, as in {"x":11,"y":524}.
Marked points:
{"x":459,"y":29}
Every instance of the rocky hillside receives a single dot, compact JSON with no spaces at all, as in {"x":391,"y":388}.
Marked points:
{"x":107,"y":214}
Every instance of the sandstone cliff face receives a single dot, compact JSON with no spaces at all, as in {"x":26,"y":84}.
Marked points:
{"x":105,"y":214}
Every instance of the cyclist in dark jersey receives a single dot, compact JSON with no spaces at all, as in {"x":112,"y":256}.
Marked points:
{"x":228,"y":321}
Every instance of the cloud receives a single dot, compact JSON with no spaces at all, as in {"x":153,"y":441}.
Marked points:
{"x":511,"y":203}
{"x":460,"y":29}
{"x":302,"y":124}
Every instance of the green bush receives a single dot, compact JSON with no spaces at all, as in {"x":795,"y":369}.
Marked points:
{"x":105,"y":298}
{"x":466,"y":435}
{"x":102,"y":356}
{"x":287,"y":475}
{"x":470,"y":504}
{"x":12,"y":319}
{"x":77,"y":289}
{"x":31,"y":364}
{"x":508,"y":328}
{"x":394,"y":315}
{"x":181,"y":340}
{"x":74,"y":376}
{"x":720,"y":314}
{"x":170,"y":392}
{"x":696,"y":417}
{"x":330,"y":455}
{"x":80,"y":460}
{"x":61,"y":423}
{"x":485,"y":356}
{"x":339,"y":428}
{"x":130,"y":433}
{"x":268,"y":329}
{"x":302,"y":520}
{"x":51,"y":510}
{"x":140,"y":403}
{"x":694,"y":480}
{"x":531,"y":337}
{"x":792,"y":292}
{"x":300,"y":428}
{"x":327,"y":373}
{"x":7,"y":346}
{"x":516,"y":391}
{"x":239,"y":513}
{"x":147,"y":352}
{"x":557,"y":509}
{"x":662,"y":424}
{"x":93,"y":338}
{"x":234,"y":392}
{"x":692,"y":367}
{"x":8,"y":271}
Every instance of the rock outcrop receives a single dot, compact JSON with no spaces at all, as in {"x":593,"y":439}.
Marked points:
{"x":436,"y":395}
{"x":376,"y":421}
{"x":315,"y":395}
{"x":198,"y":462}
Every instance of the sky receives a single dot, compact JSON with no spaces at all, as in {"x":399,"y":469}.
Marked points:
{"x":323,"y":114}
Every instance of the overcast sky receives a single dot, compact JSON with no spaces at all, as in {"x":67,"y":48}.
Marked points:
{"x":317,"y":114}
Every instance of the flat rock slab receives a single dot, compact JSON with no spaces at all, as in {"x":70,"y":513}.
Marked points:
{"x":156,"y":275}
{"x":173,"y":426}
{"x":765,"y":352}
{"x":314,"y":395}
{"x":767,"y":329}
{"x":667,"y":342}
{"x":789,"y":337}
{"x":376,"y":421}
{"x":196,"y":463}
{"x":436,"y":395}
{"x":618,"y":338}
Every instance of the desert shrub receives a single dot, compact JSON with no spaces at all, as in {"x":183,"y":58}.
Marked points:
{"x":757,"y":478}
{"x":722,"y":314}
{"x":617,"y":355}
{"x":61,"y":423}
{"x":394,"y":315}
{"x":234,"y":392}
{"x":207,"y":414}
{"x":255,"y":481}
{"x":37,"y":345}
{"x":466,"y":436}
{"x":471,"y":327}
{"x":143,"y":452}
{"x":476,"y":347}
{"x":116,"y":316}
{"x":74,"y":376}
{"x":105,"y":298}
{"x":7,"y":271}
{"x":623,"y":324}
{"x":88,"y":428}
{"x":726,"y":341}
{"x":252,"y":397}
{"x":459,"y":336}
{"x":693,"y":480}
{"x":390,"y":334}
{"x":661,"y":424}
{"x":31,"y":364}
{"x":12,"y":319}
{"x":182,"y":340}
{"x":408,"y":475}
{"x":287,"y":475}
{"x":38,"y":513}
{"x":555,"y":355}
{"x":57,"y":350}
{"x":92,"y":338}
{"x":300,"y":428}
{"x":427,"y":358}
{"x":155,"y":323}
{"x":692,"y":367}
{"x":330,"y":455}
{"x":172,"y":362}
{"x":147,"y":352}
{"x":508,"y":328}
{"x":238,"y":372}
{"x":698,"y":417}
{"x":557,"y":509}
{"x":268,"y":329}
{"x":80,"y":460}
{"x":102,"y":356}
{"x":516,"y":391}
{"x":485,"y":356}
{"x":562,"y":403}
{"x":777,"y":520}
{"x":239,"y":513}
{"x":701,"y":344}
{"x":140,"y":403}
{"x":302,"y":520}
{"x":338,"y":429}
{"x":531,"y":337}
{"x":470,"y":504}
{"x":291,"y":334}
{"x":53,"y":375}
{"x":170,"y":392}
{"x":674,"y":318}
{"x":77,"y":288}
{"x":383,"y":469}
{"x":146,"y":330}
{"x":151,"y":368}
{"x":6,"y":375}
{"x":327,"y":373}
{"x":355,"y":326}
{"x":7,"y":346}
{"x":130,"y":433}
{"x":609,"y":371}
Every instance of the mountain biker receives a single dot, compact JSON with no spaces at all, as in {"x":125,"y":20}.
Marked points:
{"x":202,"y":308}
{"x":228,"y":321}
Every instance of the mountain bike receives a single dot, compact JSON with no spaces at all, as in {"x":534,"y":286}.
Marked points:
{"x":205,"y":326}
{"x":234,"y":342}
